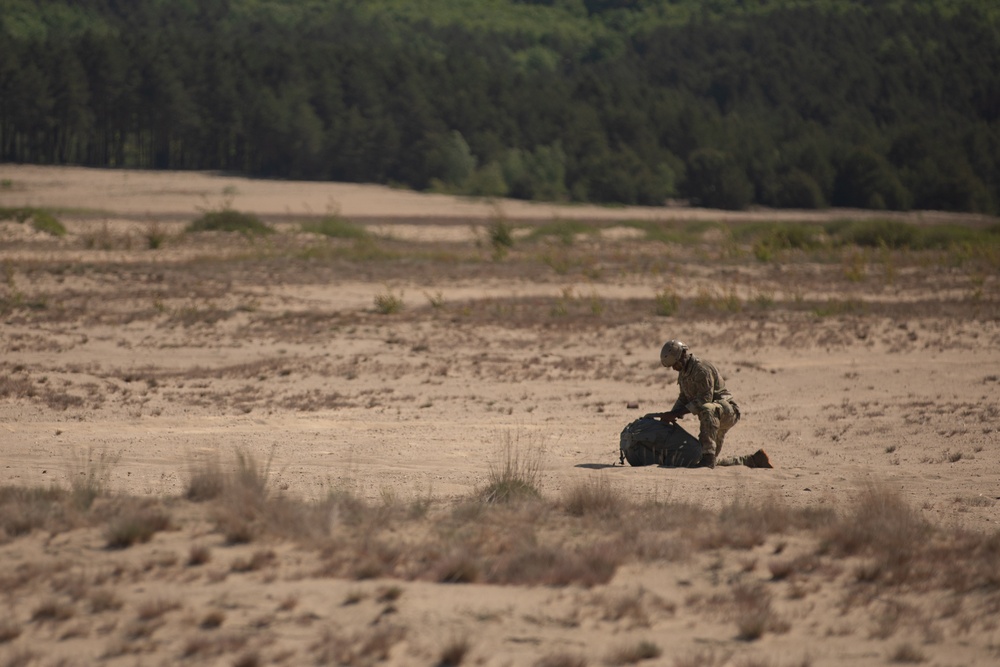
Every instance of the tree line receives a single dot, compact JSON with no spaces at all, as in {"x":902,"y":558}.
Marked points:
{"x":877,"y":104}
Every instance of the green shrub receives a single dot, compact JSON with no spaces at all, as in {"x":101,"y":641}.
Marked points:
{"x":388,"y":303}
{"x":228,"y":220}
{"x":336,"y":227}
{"x":667,"y":302}
{"x":44,"y":221}
{"x":41,"y":220}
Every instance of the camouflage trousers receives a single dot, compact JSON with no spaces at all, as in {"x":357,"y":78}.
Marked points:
{"x":716,"y":420}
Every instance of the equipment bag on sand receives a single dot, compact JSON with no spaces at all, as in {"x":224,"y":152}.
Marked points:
{"x":647,"y":442}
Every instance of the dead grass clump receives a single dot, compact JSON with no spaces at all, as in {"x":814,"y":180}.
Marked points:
{"x":907,"y":654}
{"x":214,"y":645}
{"x":151,"y":610}
{"x":16,"y":386}
{"x":633,"y":653}
{"x":881,"y":525}
{"x":199,"y":555}
{"x":454,"y":652}
{"x":367,"y":648}
{"x":458,"y":568}
{"x":258,"y":561}
{"x":240,"y":512}
{"x":9,"y":630}
{"x":102,"y":600}
{"x":206,"y":482}
{"x":561,"y":660}
{"x":752,"y":611}
{"x":556,"y":566}
{"x":594,"y":497}
{"x":744,"y":524}
{"x":53,"y":610}
{"x":515,"y":476}
{"x":92,"y":477}
{"x":212,"y":620}
{"x":25,"y":509}
{"x":135,"y":525}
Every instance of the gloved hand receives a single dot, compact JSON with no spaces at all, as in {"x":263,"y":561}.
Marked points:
{"x":668,"y":417}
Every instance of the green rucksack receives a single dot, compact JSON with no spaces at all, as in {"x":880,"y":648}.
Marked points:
{"x":647,"y":441}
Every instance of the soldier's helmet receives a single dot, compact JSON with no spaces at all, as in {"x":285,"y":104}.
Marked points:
{"x":672,"y":352}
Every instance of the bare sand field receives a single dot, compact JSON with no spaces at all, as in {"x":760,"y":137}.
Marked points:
{"x":221,"y":448}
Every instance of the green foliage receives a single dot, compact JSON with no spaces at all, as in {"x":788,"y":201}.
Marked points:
{"x":336,"y":227}
{"x":228,"y":220}
{"x":715,"y":180}
{"x":781,"y":103}
{"x":501,"y":236}
{"x":388,"y":302}
{"x":41,"y":220}
{"x":667,"y":302}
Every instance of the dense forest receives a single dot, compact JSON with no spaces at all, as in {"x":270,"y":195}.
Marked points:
{"x":883,"y":104}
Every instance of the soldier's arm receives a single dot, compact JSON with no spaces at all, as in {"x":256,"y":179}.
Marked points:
{"x":700,"y":390}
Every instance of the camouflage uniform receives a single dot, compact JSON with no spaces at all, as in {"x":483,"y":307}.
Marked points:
{"x":703,"y":393}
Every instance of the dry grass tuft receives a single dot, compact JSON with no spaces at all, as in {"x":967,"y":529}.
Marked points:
{"x":258,"y":561}
{"x":752,"y":610}
{"x":9,"y":630}
{"x":92,"y":476}
{"x":633,"y":653}
{"x":207,"y":481}
{"x":135,"y":524}
{"x":199,"y":555}
{"x":561,"y":660}
{"x":454,"y":652}
{"x":515,"y":476}
{"x":881,"y":525}
{"x":53,"y":610}
{"x":595,"y":496}
{"x":154,"y":609}
{"x":23,"y":510}
{"x":907,"y":654}
{"x":103,"y":599}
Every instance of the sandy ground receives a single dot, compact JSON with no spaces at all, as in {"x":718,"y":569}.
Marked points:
{"x":214,"y":343}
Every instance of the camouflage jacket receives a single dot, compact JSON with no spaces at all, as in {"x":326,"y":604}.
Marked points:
{"x":700,"y":383}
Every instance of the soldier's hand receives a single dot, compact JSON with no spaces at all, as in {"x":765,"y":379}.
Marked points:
{"x":652,"y":415}
{"x":668,"y":417}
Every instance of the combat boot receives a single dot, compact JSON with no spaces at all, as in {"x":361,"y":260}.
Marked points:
{"x":707,"y":461}
{"x":758,"y":459}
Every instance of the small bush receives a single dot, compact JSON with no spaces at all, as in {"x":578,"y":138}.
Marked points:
{"x":595,"y":496}
{"x":228,"y":220}
{"x":515,"y":476}
{"x":135,"y":526}
{"x":155,"y":237}
{"x":93,"y":475}
{"x":9,"y":630}
{"x":41,"y":219}
{"x":561,"y":660}
{"x":907,"y":654}
{"x":630,"y":655}
{"x":44,"y":221}
{"x":501,"y":237}
{"x":336,"y":227}
{"x":388,"y":303}
{"x":207,"y":481}
{"x":667,"y":303}
{"x":454,"y":653}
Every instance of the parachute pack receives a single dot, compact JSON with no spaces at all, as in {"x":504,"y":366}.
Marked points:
{"x":647,"y":442}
